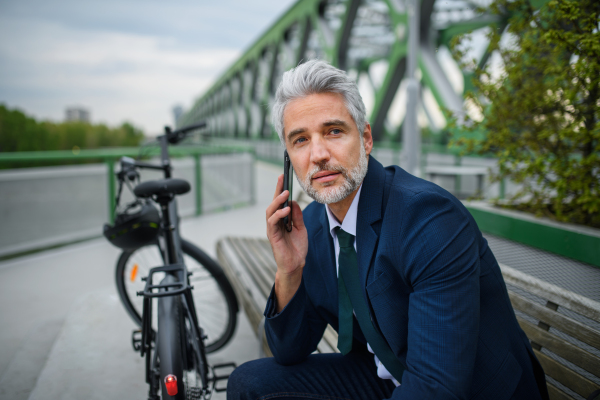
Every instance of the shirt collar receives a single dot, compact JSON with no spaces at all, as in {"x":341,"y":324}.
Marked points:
{"x":349,"y":223}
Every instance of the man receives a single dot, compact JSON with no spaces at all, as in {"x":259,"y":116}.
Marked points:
{"x":392,"y":262}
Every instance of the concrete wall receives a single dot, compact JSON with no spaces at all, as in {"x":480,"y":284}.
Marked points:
{"x":42,"y":207}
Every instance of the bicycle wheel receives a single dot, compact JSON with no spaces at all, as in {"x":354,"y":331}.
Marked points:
{"x":214,"y":298}
{"x":170,"y":344}
{"x":196,"y":378}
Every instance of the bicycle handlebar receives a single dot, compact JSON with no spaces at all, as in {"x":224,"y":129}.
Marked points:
{"x":128,"y":164}
{"x":179,"y":134}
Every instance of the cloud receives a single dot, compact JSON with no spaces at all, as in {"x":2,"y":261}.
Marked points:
{"x":195,"y":22}
{"x":120,"y":71}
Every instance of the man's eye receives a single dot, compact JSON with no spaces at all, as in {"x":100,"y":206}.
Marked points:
{"x":336,"y":131}
{"x":299,"y":140}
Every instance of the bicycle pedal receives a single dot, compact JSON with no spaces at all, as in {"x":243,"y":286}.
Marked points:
{"x":194,"y":393}
{"x":203,"y":335}
{"x":136,"y":339}
{"x":217,"y":377}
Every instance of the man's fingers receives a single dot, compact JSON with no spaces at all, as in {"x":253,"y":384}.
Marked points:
{"x":273,"y":220}
{"x":297,"y":218}
{"x":276,"y":203}
{"x":278,"y":187}
{"x":280,"y":213}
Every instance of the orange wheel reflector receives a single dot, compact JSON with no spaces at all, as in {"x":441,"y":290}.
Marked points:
{"x":134,"y":272}
{"x":171,"y":384}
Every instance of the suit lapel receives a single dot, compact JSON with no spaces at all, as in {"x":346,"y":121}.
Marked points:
{"x":369,"y":212}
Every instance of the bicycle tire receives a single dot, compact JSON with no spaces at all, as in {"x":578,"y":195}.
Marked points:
{"x":197,"y":364}
{"x":170,"y":343}
{"x":214,"y":297}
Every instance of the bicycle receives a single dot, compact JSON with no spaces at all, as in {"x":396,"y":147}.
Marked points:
{"x":174,"y":343}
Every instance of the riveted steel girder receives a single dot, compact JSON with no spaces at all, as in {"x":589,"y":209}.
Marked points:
{"x":367,"y":38}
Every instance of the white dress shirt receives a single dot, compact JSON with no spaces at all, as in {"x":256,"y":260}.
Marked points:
{"x":349,"y":225}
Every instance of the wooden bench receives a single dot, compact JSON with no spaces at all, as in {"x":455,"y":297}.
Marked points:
{"x":564,"y":328}
{"x":250,"y":266}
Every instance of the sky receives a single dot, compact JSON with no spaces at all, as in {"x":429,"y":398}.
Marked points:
{"x":123,"y":60}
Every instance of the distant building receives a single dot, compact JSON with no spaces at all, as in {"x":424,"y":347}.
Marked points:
{"x":78,"y":114}
{"x":177,"y":113}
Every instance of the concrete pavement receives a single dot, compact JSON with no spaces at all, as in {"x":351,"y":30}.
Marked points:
{"x":64,"y":333}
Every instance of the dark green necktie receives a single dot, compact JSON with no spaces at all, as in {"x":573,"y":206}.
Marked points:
{"x":345,"y":313}
{"x":349,"y":286}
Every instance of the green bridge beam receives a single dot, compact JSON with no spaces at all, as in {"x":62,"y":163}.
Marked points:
{"x":366,"y":38}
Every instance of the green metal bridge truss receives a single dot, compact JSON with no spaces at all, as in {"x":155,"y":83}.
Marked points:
{"x":368,"y":39}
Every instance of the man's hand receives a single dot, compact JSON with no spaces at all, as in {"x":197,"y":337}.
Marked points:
{"x":289,"y":248}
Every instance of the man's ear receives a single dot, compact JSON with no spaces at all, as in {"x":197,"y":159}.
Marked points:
{"x":368,"y":139}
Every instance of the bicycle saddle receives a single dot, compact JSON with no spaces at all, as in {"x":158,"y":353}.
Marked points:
{"x":162,"y":187}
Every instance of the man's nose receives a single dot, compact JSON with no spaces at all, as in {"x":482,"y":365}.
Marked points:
{"x":319,"y":152}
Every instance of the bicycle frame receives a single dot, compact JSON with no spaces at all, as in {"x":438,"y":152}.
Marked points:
{"x":173,"y":259}
{"x":176,"y":308}
{"x":172,"y":249}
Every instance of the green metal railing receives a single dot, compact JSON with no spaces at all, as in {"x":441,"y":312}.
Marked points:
{"x":112,"y":155}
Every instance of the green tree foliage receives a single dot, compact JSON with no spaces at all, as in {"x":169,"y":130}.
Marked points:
{"x":542,"y":113}
{"x":19,"y":132}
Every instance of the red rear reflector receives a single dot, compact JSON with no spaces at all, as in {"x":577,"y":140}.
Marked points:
{"x":171,"y":384}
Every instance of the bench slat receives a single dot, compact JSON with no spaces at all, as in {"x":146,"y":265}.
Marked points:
{"x":264,"y":258}
{"x":250,"y":296}
{"x":331,"y":337}
{"x":259,"y":270}
{"x":255,"y":271}
{"x":234,"y":266}
{"x":265,"y":245}
{"x":265,"y":248}
{"x":248,"y":247}
{"x":556,"y":394}
{"x":323,"y":346}
{"x":556,"y":320}
{"x":560,"y":347}
{"x":570,"y":379}
{"x":564,"y":298}
{"x":247,"y":298}
{"x":250,"y":255}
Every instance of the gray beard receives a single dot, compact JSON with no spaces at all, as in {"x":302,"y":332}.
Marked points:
{"x":352,"y":180}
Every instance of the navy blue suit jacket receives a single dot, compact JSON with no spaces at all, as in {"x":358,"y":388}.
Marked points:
{"x":434,"y":289}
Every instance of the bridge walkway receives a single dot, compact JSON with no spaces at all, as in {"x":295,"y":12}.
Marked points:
{"x":66,"y":336}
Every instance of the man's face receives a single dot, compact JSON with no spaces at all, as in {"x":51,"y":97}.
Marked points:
{"x":328,"y":153}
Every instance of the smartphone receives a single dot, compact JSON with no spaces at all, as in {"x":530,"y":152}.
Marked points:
{"x":288,"y":173}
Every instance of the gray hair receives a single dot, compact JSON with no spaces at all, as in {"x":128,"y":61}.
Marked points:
{"x":312,"y":77}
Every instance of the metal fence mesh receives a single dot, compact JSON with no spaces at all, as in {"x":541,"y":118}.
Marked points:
{"x":569,"y":274}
